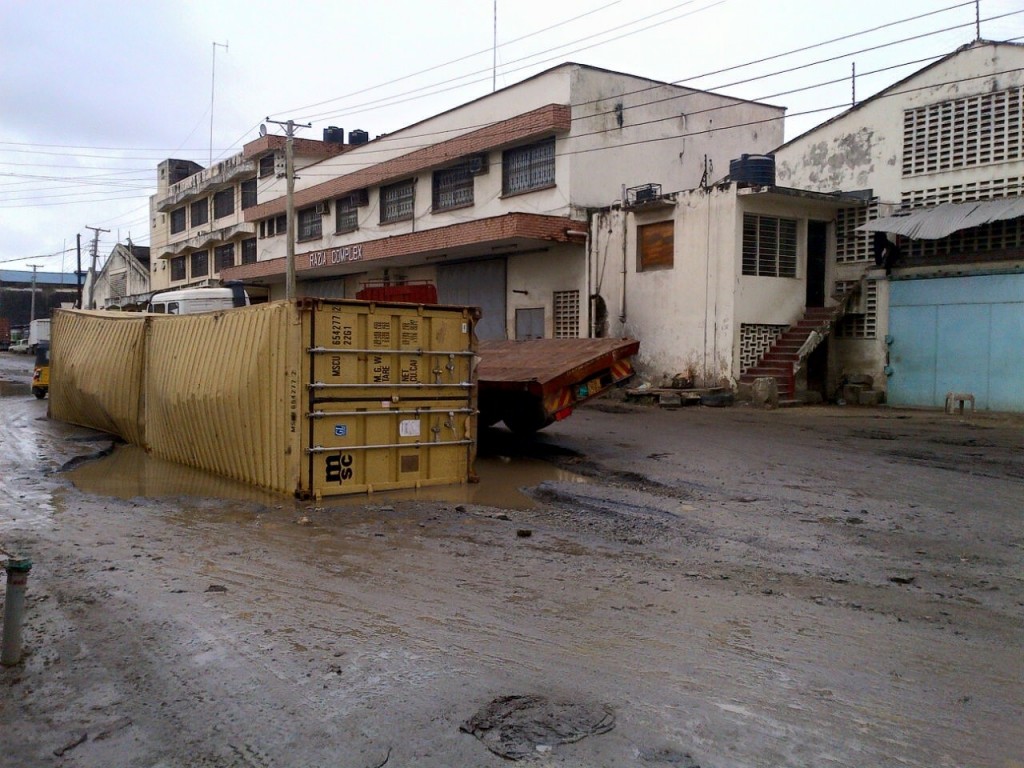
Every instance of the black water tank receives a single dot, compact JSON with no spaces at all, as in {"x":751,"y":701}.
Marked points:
{"x":334,"y":135}
{"x":753,"y":169}
{"x":358,"y":137}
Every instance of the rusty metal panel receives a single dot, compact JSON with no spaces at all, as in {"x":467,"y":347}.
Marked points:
{"x":222,"y":393}
{"x":391,"y":396}
{"x":96,"y":368}
{"x":542,"y":365}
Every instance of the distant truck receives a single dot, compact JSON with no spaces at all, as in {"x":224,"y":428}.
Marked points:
{"x":38,"y":331}
{"x":191,"y":301}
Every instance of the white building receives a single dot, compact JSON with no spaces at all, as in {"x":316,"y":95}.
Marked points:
{"x":491,"y":200}
{"x":950,"y":316}
{"x":122,"y":282}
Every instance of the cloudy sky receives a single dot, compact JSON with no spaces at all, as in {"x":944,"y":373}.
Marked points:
{"x":94,"y":94}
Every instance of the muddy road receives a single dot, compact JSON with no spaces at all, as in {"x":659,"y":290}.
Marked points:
{"x":700,"y":587}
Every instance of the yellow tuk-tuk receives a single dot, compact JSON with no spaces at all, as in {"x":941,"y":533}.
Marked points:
{"x":41,"y":374}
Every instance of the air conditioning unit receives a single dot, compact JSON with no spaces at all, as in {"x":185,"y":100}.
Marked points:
{"x":323,"y":208}
{"x":359,"y":197}
{"x":477,"y":164}
{"x":647,"y":193}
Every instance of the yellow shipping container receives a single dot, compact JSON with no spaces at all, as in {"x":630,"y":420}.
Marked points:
{"x":316,"y":398}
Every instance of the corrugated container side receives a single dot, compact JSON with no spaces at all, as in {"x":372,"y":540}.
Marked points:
{"x":391,"y":396}
{"x":96,"y":365}
{"x":222,"y":393}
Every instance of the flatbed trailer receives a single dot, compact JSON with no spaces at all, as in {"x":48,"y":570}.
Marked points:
{"x":531,"y":384}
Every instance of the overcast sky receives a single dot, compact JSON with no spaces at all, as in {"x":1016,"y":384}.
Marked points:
{"x":93,"y":95}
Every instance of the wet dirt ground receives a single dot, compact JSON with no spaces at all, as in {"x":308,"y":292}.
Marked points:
{"x":721,"y":586}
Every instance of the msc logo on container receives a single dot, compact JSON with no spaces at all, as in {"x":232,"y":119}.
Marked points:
{"x":339,"y":468}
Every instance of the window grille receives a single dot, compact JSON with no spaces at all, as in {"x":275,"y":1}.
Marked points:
{"x":346,"y":214}
{"x":993,"y":237}
{"x":224,"y":203}
{"x":200,"y":263}
{"x":851,"y":245}
{"x":178,"y":268}
{"x":567,"y":314}
{"x":119,"y":285}
{"x":966,"y":132}
{"x":986,"y":189}
{"x":267,"y":163}
{"x":452,"y":188}
{"x":249,"y":251}
{"x":248,"y":193}
{"x":310,"y":224}
{"x":769,"y":246}
{"x":755,"y":341}
{"x":396,"y":201}
{"x":859,"y":325}
{"x":527,"y":168}
{"x":224,"y":256}
{"x":178,"y":220}
{"x":199,"y":212}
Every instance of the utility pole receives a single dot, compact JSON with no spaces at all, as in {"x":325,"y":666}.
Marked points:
{"x":289,"y":172}
{"x":94,"y":252}
{"x":78,"y":271}
{"x":213,"y":72}
{"x":32,"y":311}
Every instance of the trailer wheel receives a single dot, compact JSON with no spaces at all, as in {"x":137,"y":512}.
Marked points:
{"x":39,"y":392}
{"x":526,"y":419}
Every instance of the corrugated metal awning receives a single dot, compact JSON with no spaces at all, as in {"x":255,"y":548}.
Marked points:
{"x":945,"y":219}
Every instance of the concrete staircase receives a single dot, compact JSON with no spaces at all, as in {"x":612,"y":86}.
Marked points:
{"x":789,"y":352}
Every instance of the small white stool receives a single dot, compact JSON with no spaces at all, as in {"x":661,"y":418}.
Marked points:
{"x":959,"y":399}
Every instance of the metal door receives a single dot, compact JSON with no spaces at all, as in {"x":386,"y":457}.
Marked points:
{"x":958,"y":334}
{"x":530,"y":323}
{"x":477,"y":284}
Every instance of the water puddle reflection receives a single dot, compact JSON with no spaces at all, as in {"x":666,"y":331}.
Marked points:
{"x":129,"y":472}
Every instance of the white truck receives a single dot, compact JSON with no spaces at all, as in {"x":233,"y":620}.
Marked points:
{"x":190,"y":301}
{"x":38,"y":330}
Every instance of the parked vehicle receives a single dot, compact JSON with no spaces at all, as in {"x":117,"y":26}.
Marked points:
{"x":20,"y":347}
{"x":41,"y":372}
{"x":38,"y":331}
{"x":191,"y":301}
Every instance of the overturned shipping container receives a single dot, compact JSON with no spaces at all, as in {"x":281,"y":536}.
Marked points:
{"x":315,"y":398}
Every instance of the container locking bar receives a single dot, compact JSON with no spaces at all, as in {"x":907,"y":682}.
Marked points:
{"x":335,"y":449}
{"x":395,"y":412}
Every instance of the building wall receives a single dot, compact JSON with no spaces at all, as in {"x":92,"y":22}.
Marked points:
{"x":560,"y":269}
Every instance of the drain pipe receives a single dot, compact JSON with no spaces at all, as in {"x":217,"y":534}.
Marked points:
{"x":14,"y":610}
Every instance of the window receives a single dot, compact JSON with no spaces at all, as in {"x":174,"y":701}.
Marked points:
{"x":346,"y":215}
{"x":267,"y":164}
{"x":224,"y":256}
{"x":769,"y":246}
{"x":200,"y":264}
{"x":248,"y":193}
{"x":199,"y":212}
{"x":655,"y":246}
{"x":249,"y":251}
{"x":396,"y":201}
{"x":275,"y":226}
{"x":567,"y":314}
{"x":224,"y":203}
{"x":178,"y":268}
{"x":310,"y":223}
{"x":527,"y":168}
{"x":452,"y":188}
{"x":178,"y":220}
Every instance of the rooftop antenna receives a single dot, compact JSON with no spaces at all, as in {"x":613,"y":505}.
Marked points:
{"x":213,"y":73}
{"x":977,"y":19}
{"x":494,"y":52}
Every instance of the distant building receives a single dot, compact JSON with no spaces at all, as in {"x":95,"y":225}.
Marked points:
{"x":122,"y":282}
{"x":51,"y":289}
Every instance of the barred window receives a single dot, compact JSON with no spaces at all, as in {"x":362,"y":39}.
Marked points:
{"x":249,"y":251}
{"x":178,"y":268}
{"x":200,"y":263}
{"x":567,"y":314}
{"x":224,"y":256}
{"x":851,"y":245}
{"x":966,"y":132}
{"x":224,"y":203}
{"x":199,"y":212}
{"x":452,"y":188}
{"x":178,"y":220}
{"x":396,"y":201}
{"x":346,"y":215}
{"x":310,"y":223}
{"x":859,"y":324}
{"x":267,"y":165}
{"x":528,"y":168}
{"x":248,"y":193}
{"x":769,"y":246}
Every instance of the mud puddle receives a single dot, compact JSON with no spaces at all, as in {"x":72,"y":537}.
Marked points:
{"x":129,"y":472}
{"x":14,"y":388}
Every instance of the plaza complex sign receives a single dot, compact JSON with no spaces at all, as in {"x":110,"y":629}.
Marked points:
{"x":335,"y":256}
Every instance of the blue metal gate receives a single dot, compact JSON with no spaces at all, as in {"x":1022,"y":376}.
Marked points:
{"x":957,"y":334}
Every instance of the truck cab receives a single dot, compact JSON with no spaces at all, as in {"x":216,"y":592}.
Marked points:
{"x":190,"y":301}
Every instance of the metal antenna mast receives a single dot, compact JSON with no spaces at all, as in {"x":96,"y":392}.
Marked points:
{"x":213,"y":73}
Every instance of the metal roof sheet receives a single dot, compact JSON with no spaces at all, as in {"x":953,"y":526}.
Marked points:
{"x":943,"y":220}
